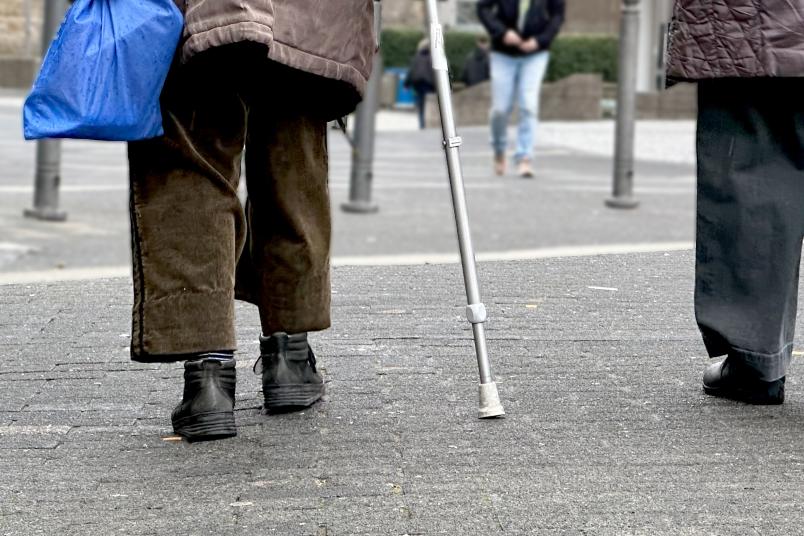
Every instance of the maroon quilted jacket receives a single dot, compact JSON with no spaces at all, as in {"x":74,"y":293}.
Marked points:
{"x":736,"y":38}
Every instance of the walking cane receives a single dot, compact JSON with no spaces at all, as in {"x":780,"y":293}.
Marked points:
{"x":475,"y":312}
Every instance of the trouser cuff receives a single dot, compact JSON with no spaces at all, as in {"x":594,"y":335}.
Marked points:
{"x":186,"y":323}
{"x":767,"y":367}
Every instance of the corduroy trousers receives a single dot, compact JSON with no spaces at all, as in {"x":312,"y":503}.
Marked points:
{"x":195,"y":246}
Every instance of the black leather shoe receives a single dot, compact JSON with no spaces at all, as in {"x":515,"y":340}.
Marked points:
{"x":725,"y":380}
{"x":290,"y":380}
{"x":206,"y":411}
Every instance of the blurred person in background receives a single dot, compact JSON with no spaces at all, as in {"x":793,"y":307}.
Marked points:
{"x":264,"y":76}
{"x":476,"y":68}
{"x":748,"y":60}
{"x":521,"y":34}
{"x":421,"y":79}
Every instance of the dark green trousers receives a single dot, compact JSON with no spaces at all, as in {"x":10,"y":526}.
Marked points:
{"x":750,"y":219}
{"x":194,"y":245}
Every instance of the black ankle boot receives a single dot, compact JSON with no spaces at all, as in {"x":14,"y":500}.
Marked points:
{"x":729,"y":380}
{"x":290,"y":380}
{"x":206,"y":411}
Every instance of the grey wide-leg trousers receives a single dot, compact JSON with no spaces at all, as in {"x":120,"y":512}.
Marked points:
{"x":750,"y":222}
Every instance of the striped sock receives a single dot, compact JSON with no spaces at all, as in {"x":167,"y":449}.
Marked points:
{"x":224,"y":355}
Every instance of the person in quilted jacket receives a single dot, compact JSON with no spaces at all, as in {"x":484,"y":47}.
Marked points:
{"x":748,"y":60}
{"x":265,"y":77}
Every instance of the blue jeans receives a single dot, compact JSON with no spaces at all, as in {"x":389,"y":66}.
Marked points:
{"x":516,"y":79}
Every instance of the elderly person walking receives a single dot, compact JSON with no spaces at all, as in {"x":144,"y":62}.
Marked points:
{"x":521,"y":34}
{"x":267,"y":77}
{"x":748,"y":60}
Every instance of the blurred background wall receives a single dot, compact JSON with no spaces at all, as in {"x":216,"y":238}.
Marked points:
{"x":20,"y":41}
{"x":20,"y":26}
{"x":583,"y":16}
{"x":587,"y":46}
{"x":583,"y":70}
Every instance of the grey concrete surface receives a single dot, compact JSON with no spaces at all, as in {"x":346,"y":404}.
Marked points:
{"x":563,"y":206}
{"x":598,"y":362}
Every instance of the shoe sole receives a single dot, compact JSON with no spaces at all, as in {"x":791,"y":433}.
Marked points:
{"x":206,"y":426}
{"x":745,"y":396}
{"x":282,"y":398}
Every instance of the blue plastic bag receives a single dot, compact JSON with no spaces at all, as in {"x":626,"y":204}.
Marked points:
{"x":103,"y":74}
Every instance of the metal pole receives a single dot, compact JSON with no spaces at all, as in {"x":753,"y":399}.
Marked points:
{"x":48,"y":152}
{"x":623,"y":195}
{"x":475,"y":311}
{"x":365,"y":134}
{"x":664,"y":11}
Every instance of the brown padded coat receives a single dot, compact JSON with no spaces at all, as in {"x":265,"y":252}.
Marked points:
{"x":329,"y":38}
{"x":736,"y":38}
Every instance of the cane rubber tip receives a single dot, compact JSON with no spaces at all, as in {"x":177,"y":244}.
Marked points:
{"x":490,"y":406}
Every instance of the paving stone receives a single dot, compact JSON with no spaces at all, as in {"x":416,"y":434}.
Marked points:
{"x":607,"y":430}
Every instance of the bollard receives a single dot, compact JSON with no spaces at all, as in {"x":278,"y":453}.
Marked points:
{"x":623,"y":191}
{"x":363,"y":148}
{"x":365,"y":131}
{"x":46,"y":182}
{"x":48,"y":152}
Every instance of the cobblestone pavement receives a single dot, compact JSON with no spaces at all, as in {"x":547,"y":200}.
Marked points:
{"x":598,"y":361}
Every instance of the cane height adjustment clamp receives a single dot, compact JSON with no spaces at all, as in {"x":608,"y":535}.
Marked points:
{"x":476,"y":313}
{"x":453,"y":143}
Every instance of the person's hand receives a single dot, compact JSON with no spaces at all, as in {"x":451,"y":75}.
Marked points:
{"x":512,"y":39}
{"x":531,"y":45}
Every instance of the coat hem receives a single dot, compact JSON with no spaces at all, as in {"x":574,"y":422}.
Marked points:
{"x":277,"y":51}
{"x":226,"y":35}
{"x":318,"y":65}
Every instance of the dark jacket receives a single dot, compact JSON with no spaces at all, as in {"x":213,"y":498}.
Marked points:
{"x":543,"y":21}
{"x":331,"y":39}
{"x":420,"y":75}
{"x":476,"y":68}
{"x":736,"y":38}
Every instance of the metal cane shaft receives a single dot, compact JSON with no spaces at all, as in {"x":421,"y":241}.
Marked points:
{"x":489,"y":398}
{"x":451,"y":145}
{"x":483,"y":362}
{"x":462,"y":221}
